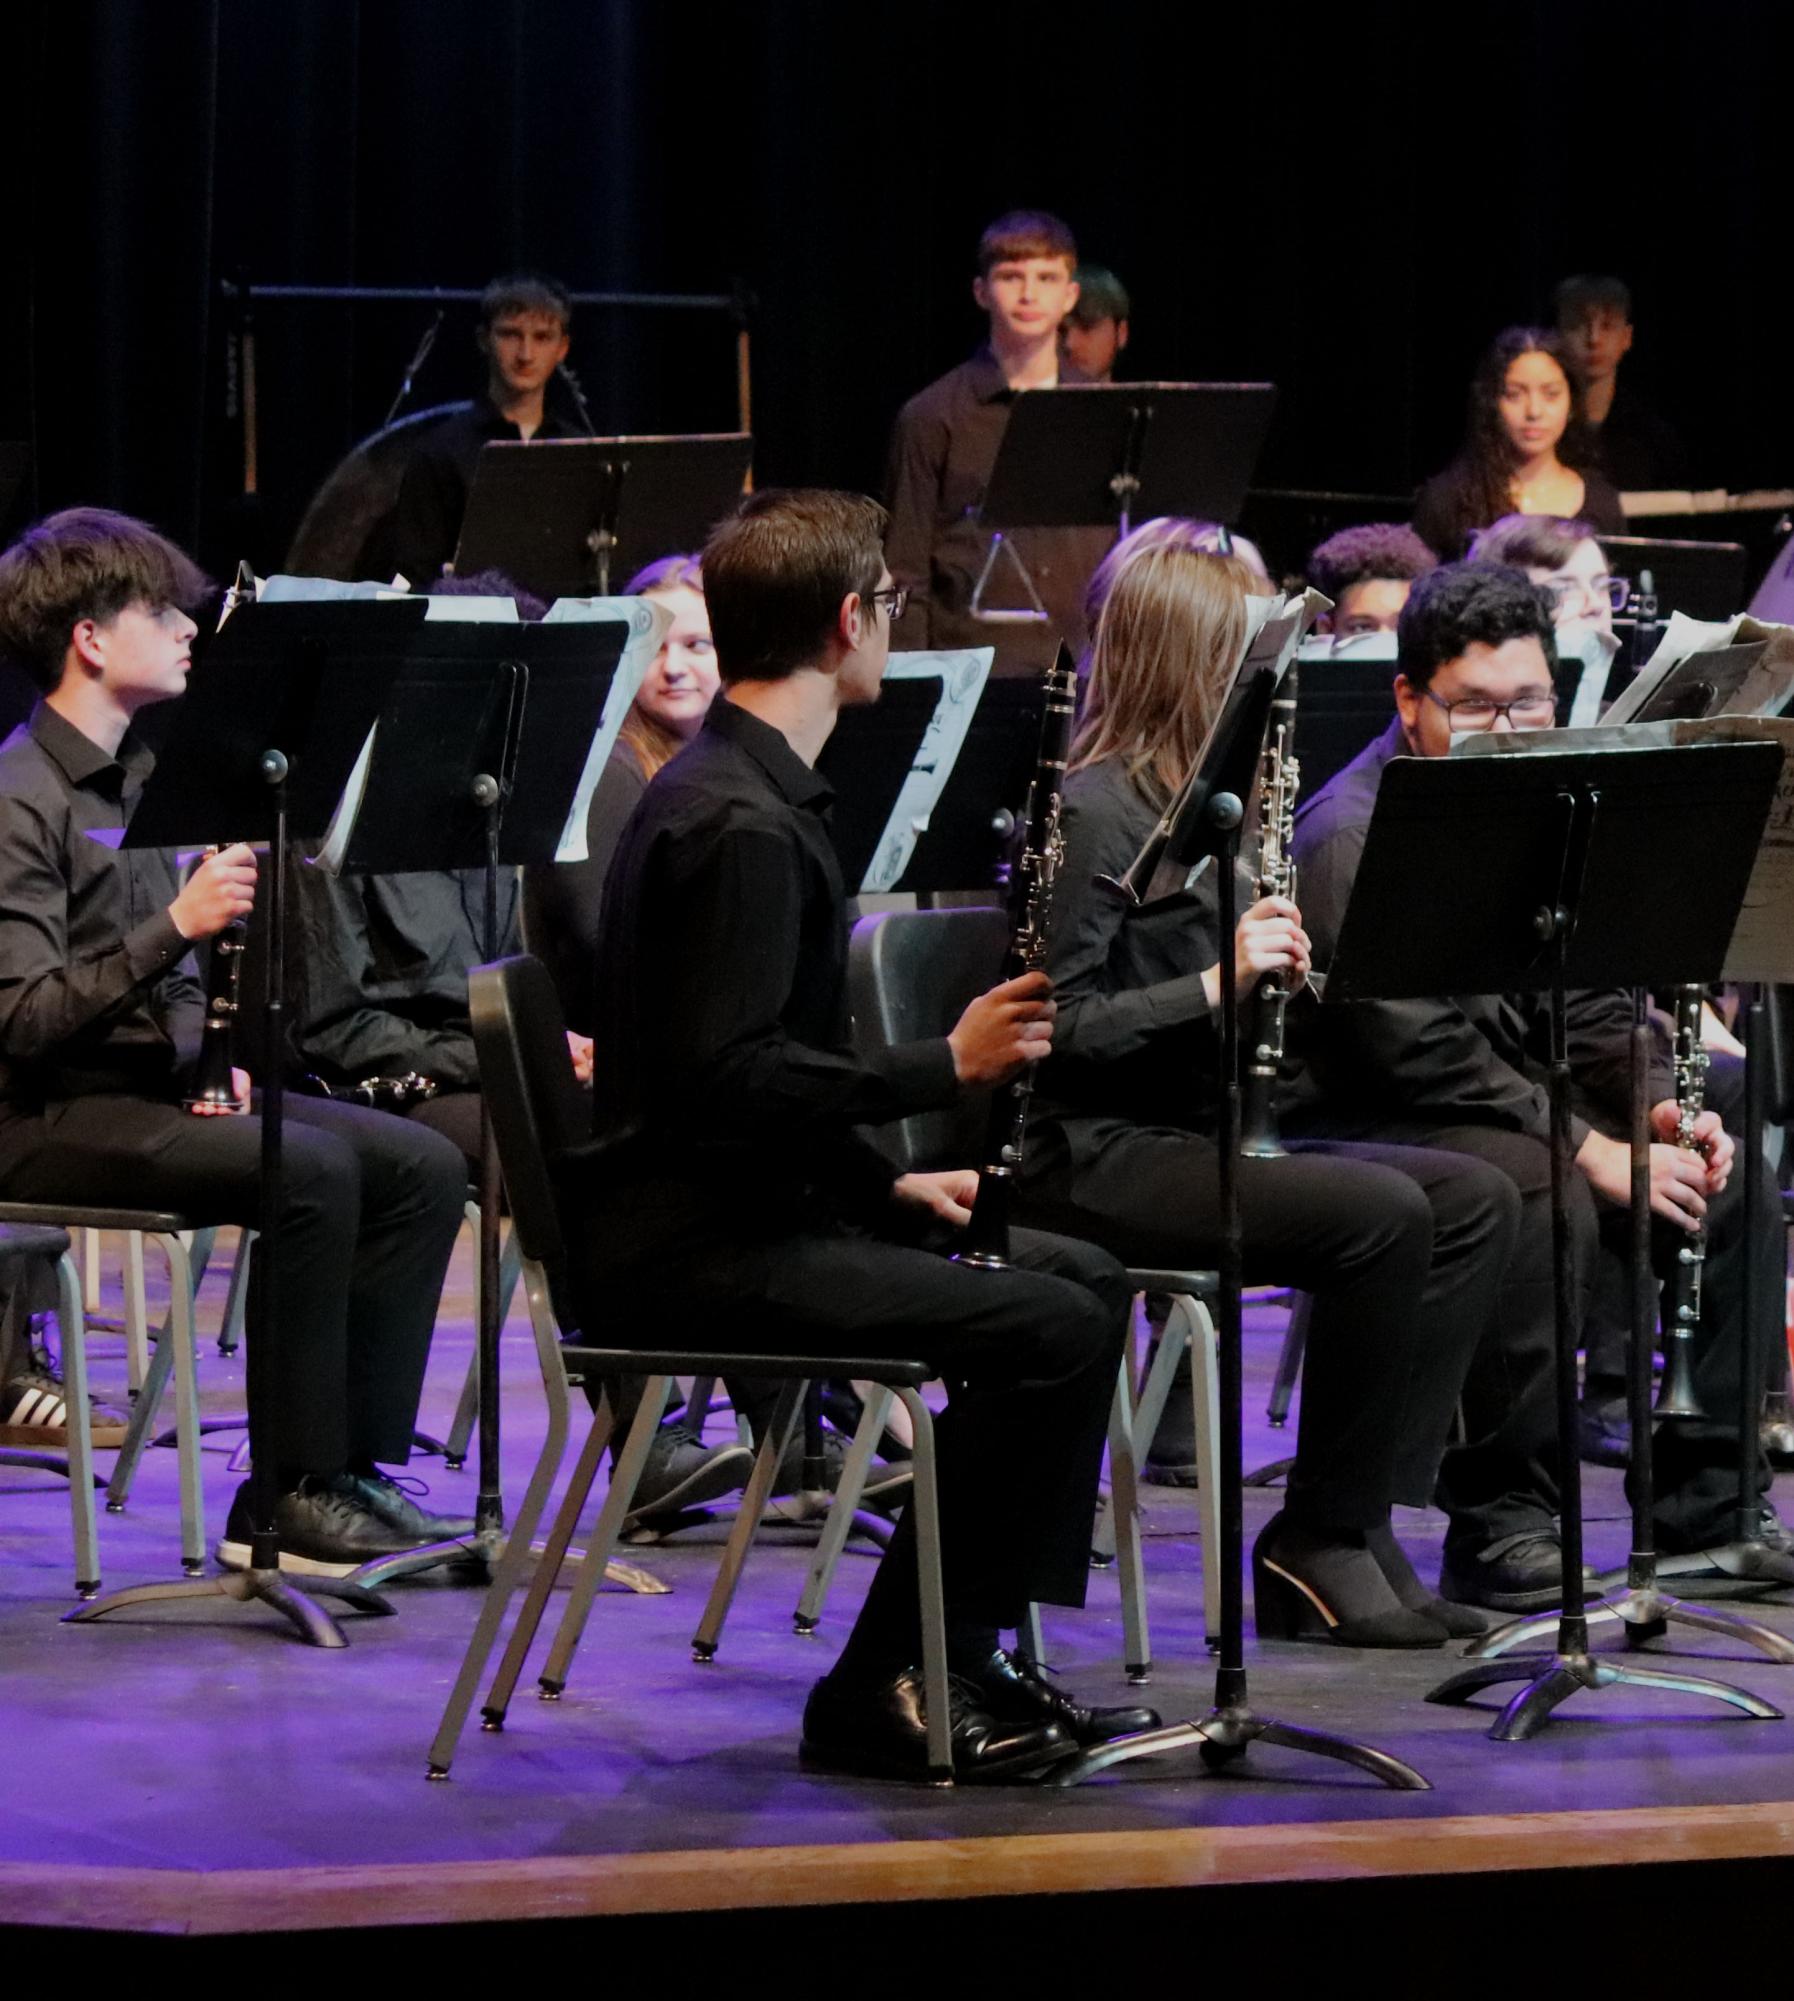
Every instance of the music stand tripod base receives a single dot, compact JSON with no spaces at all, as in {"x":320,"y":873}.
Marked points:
{"x":267,"y":1587}
{"x":482,"y":1552}
{"x":1644,"y":1613}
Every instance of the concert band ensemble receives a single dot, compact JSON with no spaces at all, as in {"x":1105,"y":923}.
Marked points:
{"x":732,"y":1191}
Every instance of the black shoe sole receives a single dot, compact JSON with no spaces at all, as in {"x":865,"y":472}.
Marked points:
{"x":726,"y":1474}
{"x":235,"y":1556}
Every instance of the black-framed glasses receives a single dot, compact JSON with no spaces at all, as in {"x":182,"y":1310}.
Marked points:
{"x":1590,"y":592}
{"x":1477,"y":712}
{"x":895,"y":600}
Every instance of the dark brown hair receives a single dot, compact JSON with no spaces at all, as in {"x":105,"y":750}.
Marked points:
{"x":86,"y":562}
{"x":1369,"y":553}
{"x":526,"y":292}
{"x":1485,"y":465}
{"x":1531,"y":541}
{"x":776,"y":572}
{"x":1025,"y":232}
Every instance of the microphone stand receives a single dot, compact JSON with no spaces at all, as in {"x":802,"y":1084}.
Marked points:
{"x":411,"y":367}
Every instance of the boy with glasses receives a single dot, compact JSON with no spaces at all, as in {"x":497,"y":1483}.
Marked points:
{"x":1476,"y":646}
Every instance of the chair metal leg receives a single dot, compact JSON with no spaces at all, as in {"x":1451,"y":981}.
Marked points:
{"x":510,"y":1263}
{"x":1205,"y":1391}
{"x":515,"y":1558}
{"x":1124,"y":1527}
{"x":90,"y":1270}
{"x":236,"y":1301}
{"x":177,"y":1333}
{"x":623,"y":1480}
{"x":930,"y":1591}
{"x":1028,"y":1635}
{"x":839,"y":1525}
{"x":136,"y":1312}
{"x":1289,"y":1360}
{"x":549,"y":1566}
{"x":753,"y":1505}
{"x":460,"y":1437}
{"x":80,"y":1445}
{"x":137,"y":1434}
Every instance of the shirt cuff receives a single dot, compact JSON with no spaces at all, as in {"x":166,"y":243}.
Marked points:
{"x":154,"y":946}
{"x":921,"y":1074}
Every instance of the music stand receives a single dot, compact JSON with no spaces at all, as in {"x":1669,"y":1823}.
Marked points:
{"x":563,"y":516}
{"x":1206,"y":821}
{"x":870,"y":754}
{"x":1095,"y":454}
{"x":277,"y":708}
{"x":1615,"y":866}
{"x":483,"y":737}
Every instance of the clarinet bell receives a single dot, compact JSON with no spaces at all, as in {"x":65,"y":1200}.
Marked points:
{"x":1675,"y":1394}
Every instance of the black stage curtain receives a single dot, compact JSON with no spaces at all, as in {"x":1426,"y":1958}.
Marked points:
{"x":1348,"y":204}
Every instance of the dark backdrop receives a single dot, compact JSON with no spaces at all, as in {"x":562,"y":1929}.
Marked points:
{"x":1347,"y":203}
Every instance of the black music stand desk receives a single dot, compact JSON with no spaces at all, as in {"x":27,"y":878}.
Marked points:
{"x":1564,"y":867}
{"x":564,"y":516}
{"x":482,"y":740}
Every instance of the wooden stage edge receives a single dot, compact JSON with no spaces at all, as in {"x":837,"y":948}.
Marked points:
{"x":195,"y":1903}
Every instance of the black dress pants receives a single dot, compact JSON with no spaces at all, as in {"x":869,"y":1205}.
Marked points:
{"x":1029,"y":1355}
{"x":1399,"y":1248}
{"x":370,"y":1209}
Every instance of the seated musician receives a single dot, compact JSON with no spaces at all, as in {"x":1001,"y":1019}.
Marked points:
{"x":1398,"y":1248}
{"x":944,"y":447}
{"x":732,"y":1192}
{"x":1468,"y":1075}
{"x":99,"y":1026}
{"x":1368,"y":572}
{"x":1526,"y":448}
{"x":1094,"y":334}
{"x":562,"y":912}
{"x":1638,"y":449}
{"x":524,"y":332}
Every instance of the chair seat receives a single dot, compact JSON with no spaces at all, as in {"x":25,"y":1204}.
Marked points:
{"x":684,"y":1361}
{"x":31,"y":1240}
{"x":152,"y":1222}
{"x":1150,"y":1278}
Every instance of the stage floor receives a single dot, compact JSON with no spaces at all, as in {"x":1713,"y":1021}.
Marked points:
{"x":208,"y":1741}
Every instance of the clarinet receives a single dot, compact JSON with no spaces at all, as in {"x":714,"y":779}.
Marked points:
{"x":1031,"y":904}
{"x":1682,"y":1293}
{"x":1279,"y":775}
{"x":214,"y":1089}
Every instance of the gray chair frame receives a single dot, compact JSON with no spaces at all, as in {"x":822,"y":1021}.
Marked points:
{"x":537,"y":1111}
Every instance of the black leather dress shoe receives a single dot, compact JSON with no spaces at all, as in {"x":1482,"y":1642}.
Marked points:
{"x":1014,"y":1690}
{"x":1522,"y":1573}
{"x":388,"y":1502}
{"x":881,"y":1731}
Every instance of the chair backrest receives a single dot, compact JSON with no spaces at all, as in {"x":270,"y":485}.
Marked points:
{"x":910,"y":974}
{"x":536,"y":1105}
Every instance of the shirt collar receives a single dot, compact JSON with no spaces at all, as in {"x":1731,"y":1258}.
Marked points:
{"x":797,"y":782}
{"x":78,"y":757}
{"x":990,"y":385}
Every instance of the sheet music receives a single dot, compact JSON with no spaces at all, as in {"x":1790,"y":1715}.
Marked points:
{"x":1765,"y":688}
{"x":648,"y":624}
{"x":962,"y":673}
{"x":1345,"y":647}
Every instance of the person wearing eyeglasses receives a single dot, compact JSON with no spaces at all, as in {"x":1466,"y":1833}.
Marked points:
{"x":1565,"y":559}
{"x":1467,"y":1073}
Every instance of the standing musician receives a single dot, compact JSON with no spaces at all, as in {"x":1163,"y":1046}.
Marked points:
{"x":100,"y":1023}
{"x":1397,"y":1247}
{"x":524,"y":332}
{"x":944,"y":447}
{"x":730,"y":1188}
{"x":1468,"y":1074}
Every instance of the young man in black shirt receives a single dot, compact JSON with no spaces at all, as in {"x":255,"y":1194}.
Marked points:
{"x":944,"y":446}
{"x":524,"y":334}
{"x":99,"y":1025}
{"x":731,"y":1188}
{"x":1468,"y":1074}
{"x":1639,"y":450}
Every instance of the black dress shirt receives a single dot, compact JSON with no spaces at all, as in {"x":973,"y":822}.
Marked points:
{"x":383,"y":963}
{"x":1134,"y":1042}
{"x":1446,"y":513}
{"x":726,"y":1089}
{"x":438,"y":478}
{"x":943,"y":447}
{"x":1639,"y":451}
{"x":563,"y":902}
{"x":1468,"y":1059}
{"x":97,"y":993}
